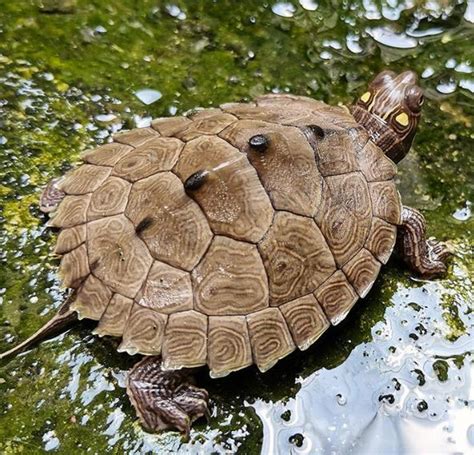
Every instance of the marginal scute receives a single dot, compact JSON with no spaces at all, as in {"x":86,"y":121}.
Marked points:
{"x":345,"y":215}
{"x":270,"y":338}
{"x":336,"y":296}
{"x":296,"y":257}
{"x":386,"y":201}
{"x":144,"y":331}
{"x":166,"y":289}
{"x":85,"y":179}
{"x":162,"y":202}
{"x":74,"y":267}
{"x":232,"y":197}
{"x":205,"y":122}
{"x":106,"y":155}
{"x":381,"y":239}
{"x":361,"y":271}
{"x":109,"y":199}
{"x":169,"y":126}
{"x":185,"y":342}
{"x":287,"y":169}
{"x":306,"y":320}
{"x":136,"y":137}
{"x":117,"y":256}
{"x":290,"y":105}
{"x":230,"y":280}
{"x":92,"y":299}
{"x":229,"y":346}
{"x":374,"y":164}
{"x":115,"y":316}
{"x":72,"y":211}
{"x":154,"y":156}
{"x":70,"y":238}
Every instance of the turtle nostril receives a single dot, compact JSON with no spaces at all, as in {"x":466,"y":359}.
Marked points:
{"x":259,"y":142}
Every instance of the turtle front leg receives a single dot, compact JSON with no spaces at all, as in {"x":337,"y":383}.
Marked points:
{"x":165,"y":399}
{"x":426,"y":257}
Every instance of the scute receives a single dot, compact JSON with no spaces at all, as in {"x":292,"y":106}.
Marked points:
{"x":166,"y":289}
{"x":361,"y":271}
{"x":106,"y":155}
{"x":85,"y":179}
{"x":232,"y":197}
{"x":287,"y":167}
{"x":229,"y":346}
{"x":270,"y":338}
{"x":345,"y":215}
{"x":116,"y":254}
{"x":92,"y":299}
{"x":296,"y":257}
{"x":159,"y":209}
{"x":144,"y":331}
{"x":336,"y":296}
{"x":136,"y":137}
{"x":72,"y":211}
{"x":115,"y":316}
{"x":230,"y":280}
{"x":205,"y":122}
{"x":70,"y":238}
{"x":109,"y":199}
{"x":153,"y":156}
{"x":185,"y":343}
{"x":306,"y":320}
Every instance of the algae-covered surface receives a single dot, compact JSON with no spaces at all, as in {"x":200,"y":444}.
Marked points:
{"x":396,"y":376}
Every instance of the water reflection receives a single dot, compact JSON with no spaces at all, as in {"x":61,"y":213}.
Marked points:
{"x":389,"y":396}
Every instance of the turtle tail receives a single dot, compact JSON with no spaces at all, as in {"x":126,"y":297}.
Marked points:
{"x":61,"y":322}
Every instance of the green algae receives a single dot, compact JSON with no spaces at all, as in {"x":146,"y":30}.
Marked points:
{"x":67,"y":81}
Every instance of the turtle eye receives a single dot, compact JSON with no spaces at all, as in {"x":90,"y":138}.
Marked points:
{"x":414,"y":98}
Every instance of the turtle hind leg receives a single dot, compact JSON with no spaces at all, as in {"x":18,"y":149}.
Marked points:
{"x":165,"y":399}
{"x":51,"y":196}
{"x":425,"y":257}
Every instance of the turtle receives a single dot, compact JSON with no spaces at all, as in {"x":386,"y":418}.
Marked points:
{"x":232,"y":236}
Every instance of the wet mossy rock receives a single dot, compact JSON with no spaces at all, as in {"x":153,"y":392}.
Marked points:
{"x":229,"y":236}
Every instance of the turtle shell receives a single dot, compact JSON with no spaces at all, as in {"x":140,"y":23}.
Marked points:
{"x":230,"y":236}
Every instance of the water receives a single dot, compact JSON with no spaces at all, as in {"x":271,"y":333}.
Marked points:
{"x":395,"y":376}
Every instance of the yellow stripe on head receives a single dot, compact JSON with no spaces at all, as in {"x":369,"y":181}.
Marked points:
{"x":402,"y":119}
{"x":365,"y":97}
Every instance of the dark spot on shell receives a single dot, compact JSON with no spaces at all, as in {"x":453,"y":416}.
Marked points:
{"x":196,"y":180}
{"x":259,"y":142}
{"x":422,"y":406}
{"x":144,"y":224}
{"x":297,"y":439}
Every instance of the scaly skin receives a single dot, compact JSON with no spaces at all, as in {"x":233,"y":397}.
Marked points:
{"x":425,"y":257}
{"x":165,"y":399}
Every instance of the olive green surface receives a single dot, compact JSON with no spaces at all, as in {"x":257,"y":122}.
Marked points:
{"x":395,"y":375}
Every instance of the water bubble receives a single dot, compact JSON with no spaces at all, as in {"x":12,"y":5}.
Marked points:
{"x":463,"y":213}
{"x":309,"y":5}
{"x":284,"y":9}
{"x":390,"y":38}
{"x":341,"y":400}
{"x":148,"y":96}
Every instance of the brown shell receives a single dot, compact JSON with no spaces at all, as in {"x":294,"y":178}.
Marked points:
{"x":230,"y":236}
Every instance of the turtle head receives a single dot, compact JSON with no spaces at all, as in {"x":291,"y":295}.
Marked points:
{"x":390,"y":110}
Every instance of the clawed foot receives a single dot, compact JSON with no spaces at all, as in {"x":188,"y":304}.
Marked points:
{"x":165,"y":399}
{"x":428,"y":258}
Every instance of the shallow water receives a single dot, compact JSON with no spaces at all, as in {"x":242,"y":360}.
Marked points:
{"x":396,"y":376}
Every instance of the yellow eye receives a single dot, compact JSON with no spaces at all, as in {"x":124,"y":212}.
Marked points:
{"x":365,"y":97}
{"x":402,"y":119}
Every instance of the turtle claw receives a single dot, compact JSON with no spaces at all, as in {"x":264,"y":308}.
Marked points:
{"x":165,"y":399}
